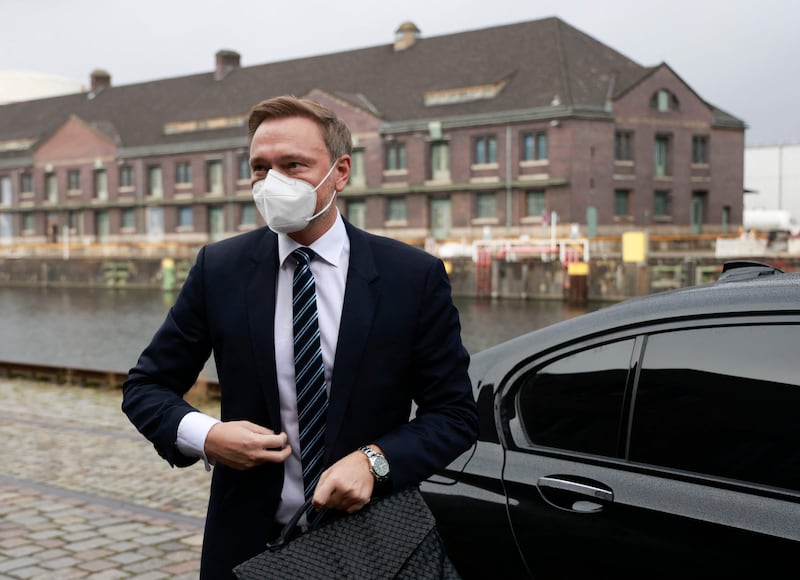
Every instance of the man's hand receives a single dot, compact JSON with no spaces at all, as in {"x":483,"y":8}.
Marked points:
{"x":346,"y":485}
{"x":242,"y":445}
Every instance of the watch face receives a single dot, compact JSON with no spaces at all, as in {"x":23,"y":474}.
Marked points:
{"x":380,"y":466}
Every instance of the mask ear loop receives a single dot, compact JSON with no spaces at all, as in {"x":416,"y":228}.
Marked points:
{"x":327,"y":175}
{"x":330,"y":201}
{"x":324,"y":209}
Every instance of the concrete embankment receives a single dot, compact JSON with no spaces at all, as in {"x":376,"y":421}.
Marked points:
{"x":203,"y":390}
{"x":606,"y":277}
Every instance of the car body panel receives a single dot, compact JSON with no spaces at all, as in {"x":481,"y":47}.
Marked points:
{"x":477,"y":515}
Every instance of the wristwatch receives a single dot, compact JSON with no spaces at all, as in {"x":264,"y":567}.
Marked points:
{"x":377,"y":463}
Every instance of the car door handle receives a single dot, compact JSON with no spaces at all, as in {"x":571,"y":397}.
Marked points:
{"x":560,"y":491}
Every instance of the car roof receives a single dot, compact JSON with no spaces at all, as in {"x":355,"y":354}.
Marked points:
{"x":739,"y":292}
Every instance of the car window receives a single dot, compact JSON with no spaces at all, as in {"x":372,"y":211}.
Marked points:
{"x":575,"y":402}
{"x":721,"y":401}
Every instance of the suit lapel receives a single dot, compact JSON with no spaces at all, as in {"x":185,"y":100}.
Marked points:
{"x":261,"y":289}
{"x":358,"y":313}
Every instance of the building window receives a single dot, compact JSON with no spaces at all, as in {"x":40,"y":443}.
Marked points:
{"x":128,"y":219}
{"x":621,"y":203}
{"x":357,"y":213}
{"x":214,"y":177}
{"x":74,"y":180}
{"x":244,"y":168}
{"x":485,"y":150}
{"x":28,"y":223}
{"x":662,"y":151}
{"x":248,"y":218}
{"x":358,"y":177}
{"x":155,"y":183}
{"x":395,"y":156}
{"x":102,"y":227}
{"x":534,"y":146}
{"x":183,"y":175}
{"x":726,"y":218}
{"x":396,"y":209}
{"x":623,"y":146}
{"x":6,"y":198}
{"x":6,"y":228}
{"x":535,"y":203}
{"x":698,"y":211}
{"x":440,"y":161}
{"x":126,"y":176}
{"x":700,"y":149}
{"x":100,"y":184}
{"x":663,"y":101}
{"x":661,"y":204}
{"x":75,"y":219}
{"x":185,"y":217}
{"x":26,"y":183}
{"x":486,"y":206}
{"x":51,"y":187}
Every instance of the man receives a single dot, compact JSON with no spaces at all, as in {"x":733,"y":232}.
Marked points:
{"x":389,"y":336}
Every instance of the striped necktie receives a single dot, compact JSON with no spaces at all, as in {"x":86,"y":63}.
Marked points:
{"x":312,"y":401}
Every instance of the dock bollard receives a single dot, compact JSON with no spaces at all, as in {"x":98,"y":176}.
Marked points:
{"x":577,"y":279}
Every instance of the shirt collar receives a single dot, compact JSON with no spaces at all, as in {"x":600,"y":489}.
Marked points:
{"x":328,"y":246}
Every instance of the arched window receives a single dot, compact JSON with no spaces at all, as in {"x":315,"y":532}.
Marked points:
{"x":664,"y":100}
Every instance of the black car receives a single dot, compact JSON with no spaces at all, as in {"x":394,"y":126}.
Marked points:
{"x":655,"y":438}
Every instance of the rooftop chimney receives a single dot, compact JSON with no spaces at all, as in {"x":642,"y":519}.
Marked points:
{"x":405,"y":36}
{"x":100,"y":80}
{"x":227,"y":61}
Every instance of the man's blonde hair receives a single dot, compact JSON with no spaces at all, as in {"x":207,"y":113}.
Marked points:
{"x":335,"y":133}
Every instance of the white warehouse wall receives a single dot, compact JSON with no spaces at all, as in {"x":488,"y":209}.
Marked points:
{"x":772,"y":172}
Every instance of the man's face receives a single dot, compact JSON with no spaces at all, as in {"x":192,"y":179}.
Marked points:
{"x":294,"y":147}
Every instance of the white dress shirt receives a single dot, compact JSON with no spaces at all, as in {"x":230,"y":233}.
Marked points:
{"x":330,"y":272}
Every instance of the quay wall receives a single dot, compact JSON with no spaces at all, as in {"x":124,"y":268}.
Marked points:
{"x":607,"y":277}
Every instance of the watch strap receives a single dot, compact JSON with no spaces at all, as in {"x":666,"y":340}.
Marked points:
{"x":374,"y":457}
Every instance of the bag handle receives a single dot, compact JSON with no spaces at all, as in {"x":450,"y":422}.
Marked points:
{"x":290,"y":526}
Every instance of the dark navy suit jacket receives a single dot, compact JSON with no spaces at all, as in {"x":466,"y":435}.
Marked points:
{"x":399,"y":341}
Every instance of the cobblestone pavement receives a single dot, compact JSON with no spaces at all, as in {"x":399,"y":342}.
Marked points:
{"x":84,"y":495}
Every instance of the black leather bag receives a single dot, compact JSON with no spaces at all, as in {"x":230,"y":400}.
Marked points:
{"x":394,"y":537}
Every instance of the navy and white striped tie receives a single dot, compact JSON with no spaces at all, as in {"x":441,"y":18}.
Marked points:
{"x":312,"y":400}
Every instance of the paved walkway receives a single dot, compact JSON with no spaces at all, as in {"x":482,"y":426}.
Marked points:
{"x":83,"y":495}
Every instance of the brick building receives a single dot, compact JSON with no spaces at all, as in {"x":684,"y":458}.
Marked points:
{"x":486,"y":132}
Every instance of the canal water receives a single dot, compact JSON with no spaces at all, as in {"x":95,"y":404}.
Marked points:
{"x":106,"y":329}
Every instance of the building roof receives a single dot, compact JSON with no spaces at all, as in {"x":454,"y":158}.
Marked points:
{"x":544,"y":67}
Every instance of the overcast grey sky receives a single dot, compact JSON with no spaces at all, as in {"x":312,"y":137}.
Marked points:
{"x":739,"y":55}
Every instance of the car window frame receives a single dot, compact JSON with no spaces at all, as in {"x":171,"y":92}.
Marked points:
{"x":514,"y":438}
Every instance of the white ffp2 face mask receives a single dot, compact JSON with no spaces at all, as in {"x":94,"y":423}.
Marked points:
{"x":286,"y":204}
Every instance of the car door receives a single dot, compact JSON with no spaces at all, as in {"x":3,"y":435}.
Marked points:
{"x":469,"y":503}
{"x":666,"y":452}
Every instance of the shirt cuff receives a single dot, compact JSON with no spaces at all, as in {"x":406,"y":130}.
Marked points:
{"x":192,"y":432}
